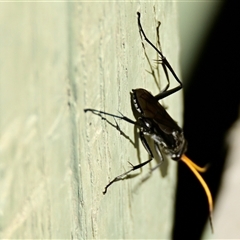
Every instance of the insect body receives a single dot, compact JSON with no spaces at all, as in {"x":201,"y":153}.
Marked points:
{"x":157,"y":123}
{"x":153,"y":120}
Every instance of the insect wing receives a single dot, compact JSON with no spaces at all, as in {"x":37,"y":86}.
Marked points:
{"x":153,"y":110}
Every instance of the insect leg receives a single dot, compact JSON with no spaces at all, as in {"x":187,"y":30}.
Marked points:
{"x":145,"y":144}
{"x":158,"y":151}
{"x":124,"y":175}
{"x":118,"y":178}
{"x":166,"y":65}
{"x":151,"y":71}
{"x":97,"y":112}
{"x":159,"y":60}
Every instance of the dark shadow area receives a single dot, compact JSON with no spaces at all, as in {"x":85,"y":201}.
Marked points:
{"x":211,"y":107}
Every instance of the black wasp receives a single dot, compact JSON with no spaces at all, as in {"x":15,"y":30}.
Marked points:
{"x":153,"y":121}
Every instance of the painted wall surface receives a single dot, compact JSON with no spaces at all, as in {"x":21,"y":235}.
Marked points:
{"x":55,"y":160}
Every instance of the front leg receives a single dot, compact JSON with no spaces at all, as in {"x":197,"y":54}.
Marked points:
{"x":99,"y":113}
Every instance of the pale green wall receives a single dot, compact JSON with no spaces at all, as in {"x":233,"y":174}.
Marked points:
{"x":57,"y":59}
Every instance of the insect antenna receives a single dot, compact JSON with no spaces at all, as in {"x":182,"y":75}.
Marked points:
{"x":196,"y":169}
